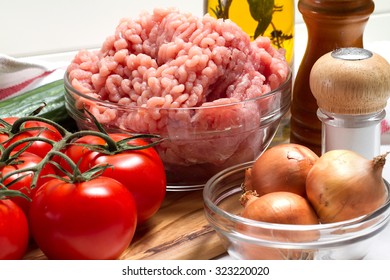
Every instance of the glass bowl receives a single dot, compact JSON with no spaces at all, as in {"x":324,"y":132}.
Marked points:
{"x":247,"y":239}
{"x":198,"y":142}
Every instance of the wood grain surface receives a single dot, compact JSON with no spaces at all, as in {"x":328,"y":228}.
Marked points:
{"x":178,"y":231}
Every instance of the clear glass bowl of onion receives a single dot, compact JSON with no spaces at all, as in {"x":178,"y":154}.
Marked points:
{"x":249,"y":239}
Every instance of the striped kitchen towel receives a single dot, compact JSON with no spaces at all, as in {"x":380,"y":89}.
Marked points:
{"x":18,"y":75}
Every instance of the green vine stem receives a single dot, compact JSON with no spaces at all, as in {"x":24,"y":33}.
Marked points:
{"x":6,"y":126}
{"x":7,"y":193}
{"x":77,"y":175}
{"x":19,"y":122}
{"x":6,"y":153}
{"x":124,"y":145}
{"x":111,"y":145}
{"x":6,"y":158}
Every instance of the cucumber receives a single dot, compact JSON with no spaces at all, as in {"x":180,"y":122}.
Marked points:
{"x":51,"y":94}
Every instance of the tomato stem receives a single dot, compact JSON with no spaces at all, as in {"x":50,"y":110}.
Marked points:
{"x":124,"y":144}
{"x":6,"y":126}
{"x":98,"y":125}
{"x":7,"y":193}
{"x":16,"y":127}
{"x":111,"y":144}
{"x":76,"y":175}
{"x":6,"y":153}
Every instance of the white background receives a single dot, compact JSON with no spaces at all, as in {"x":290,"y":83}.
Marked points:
{"x":51,"y":26}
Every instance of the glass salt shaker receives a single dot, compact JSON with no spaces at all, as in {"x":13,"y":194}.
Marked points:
{"x":351,"y":86}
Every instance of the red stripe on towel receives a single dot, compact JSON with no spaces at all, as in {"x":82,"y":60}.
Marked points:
{"x":385,"y":127}
{"x":9,"y":91}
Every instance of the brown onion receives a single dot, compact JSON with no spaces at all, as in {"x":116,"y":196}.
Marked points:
{"x":282,"y":167}
{"x":277,"y":208}
{"x":343,"y":185}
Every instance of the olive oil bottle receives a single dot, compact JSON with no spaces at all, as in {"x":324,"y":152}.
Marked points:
{"x":268,"y":18}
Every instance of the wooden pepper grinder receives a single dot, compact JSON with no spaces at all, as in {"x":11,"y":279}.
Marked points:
{"x":351,"y":86}
{"x":330,"y":25}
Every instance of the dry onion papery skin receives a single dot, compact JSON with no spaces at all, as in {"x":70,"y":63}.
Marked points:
{"x":277,"y":208}
{"x":283,"y":167}
{"x":343,"y":185}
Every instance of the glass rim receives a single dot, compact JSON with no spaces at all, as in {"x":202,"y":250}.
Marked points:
{"x":282,"y":87}
{"x":358,"y":221}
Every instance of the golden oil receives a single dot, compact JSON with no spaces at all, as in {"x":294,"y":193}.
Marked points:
{"x":280,"y":29}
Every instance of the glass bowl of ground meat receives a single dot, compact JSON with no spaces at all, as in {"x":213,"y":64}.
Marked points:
{"x":212,"y":95}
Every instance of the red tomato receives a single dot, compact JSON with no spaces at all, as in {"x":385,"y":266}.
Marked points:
{"x":94,"y":219}
{"x":141,"y":171}
{"x":25,"y":160}
{"x":14,"y":234}
{"x":39,"y":148}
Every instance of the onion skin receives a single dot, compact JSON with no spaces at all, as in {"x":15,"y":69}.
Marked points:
{"x":282,"y":167}
{"x":278,"y":208}
{"x":343,"y":185}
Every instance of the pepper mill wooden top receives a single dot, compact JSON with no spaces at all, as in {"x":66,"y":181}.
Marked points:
{"x":351,"y":81}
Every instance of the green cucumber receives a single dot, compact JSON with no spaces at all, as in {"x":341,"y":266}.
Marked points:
{"x":51,"y":96}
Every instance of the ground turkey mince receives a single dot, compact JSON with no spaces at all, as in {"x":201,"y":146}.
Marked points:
{"x":167,"y":61}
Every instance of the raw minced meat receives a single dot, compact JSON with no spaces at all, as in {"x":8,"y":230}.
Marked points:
{"x":174,"y":60}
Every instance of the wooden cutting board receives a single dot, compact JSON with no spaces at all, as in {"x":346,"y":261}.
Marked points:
{"x":178,"y":231}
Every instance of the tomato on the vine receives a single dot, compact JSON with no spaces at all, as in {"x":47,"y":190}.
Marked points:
{"x":94,"y":219}
{"x":14,"y":234}
{"x":141,"y":171}
{"x":33,"y":129}
{"x":22,"y":181}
